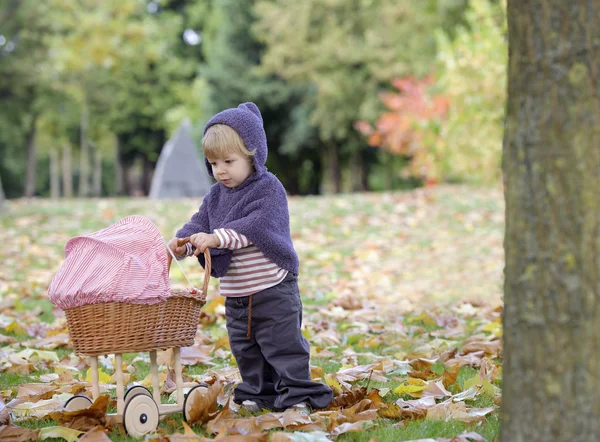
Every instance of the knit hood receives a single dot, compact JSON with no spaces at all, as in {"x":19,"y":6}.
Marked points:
{"x":247,"y":121}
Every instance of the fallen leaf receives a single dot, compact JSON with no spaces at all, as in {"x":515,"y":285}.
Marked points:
{"x":4,"y":416}
{"x":68,"y":434}
{"x":14,"y":433}
{"x":96,"y":434}
{"x":314,"y":436}
{"x":205,"y":406}
{"x":348,"y":427}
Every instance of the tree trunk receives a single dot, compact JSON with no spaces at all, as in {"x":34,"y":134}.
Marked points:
{"x":84,"y":156}
{"x":30,"y":173}
{"x":54,"y":174}
{"x":333,"y":166}
{"x":2,"y":196}
{"x":119,"y":169}
{"x":147,"y":172}
{"x":551,"y":166}
{"x":365,"y":168}
{"x":97,"y":174}
{"x":67,"y":172}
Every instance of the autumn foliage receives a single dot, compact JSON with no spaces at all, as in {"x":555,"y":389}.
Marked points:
{"x":397,"y":130}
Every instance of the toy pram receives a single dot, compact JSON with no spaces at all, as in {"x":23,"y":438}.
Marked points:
{"x":120,"y":327}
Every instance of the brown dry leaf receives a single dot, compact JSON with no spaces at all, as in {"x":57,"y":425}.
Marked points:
{"x":393,"y":411}
{"x":348,"y":398}
{"x":348,"y":303}
{"x":375,"y":397}
{"x":347,"y":427}
{"x":471,"y":359}
{"x":49,"y":342}
{"x":316,"y":372}
{"x":488,"y":370}
{"x":450,"y":374}
{"x":86,"y":419}
{"x":234,"y":427}
{"x":224,"y":414}
{"x":424,"y":375}
{"x":19,"y":366}
{"x":205,"y":406}
{"x":422,"y":364}
{"x":169,"y":385}
{"x":96,"y":434}
{"x":254,"y":437}
{"x":457,"y":411}
{"x":313,"y":426}
{"x":197,"y":354}
{"x":14,"y":433}
{"x":36,"y":391}
{"x":436,"y":390}
{"x":187,"y":435}
{"x":4,"y":416}
{"x":492,"y":348}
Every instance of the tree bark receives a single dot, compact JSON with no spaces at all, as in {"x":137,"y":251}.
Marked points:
{"x":119,"y":169}
{"x":333,"y":166}
{"x":551,"y":168}
{"x":84,"y":156}
{"x":2,"y":196}
{"x":30,"y":174}
{"x":67,"y":172}
{"x":147,"y":173}
{"x":97,"y":174}
{"x":54,"y":174}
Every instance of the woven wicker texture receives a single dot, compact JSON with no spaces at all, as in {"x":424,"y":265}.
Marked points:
{"x":115,"y":328}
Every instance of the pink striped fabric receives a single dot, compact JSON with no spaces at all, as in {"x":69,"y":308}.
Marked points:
{"x":126,"y":262}
{"x":250,"y":270}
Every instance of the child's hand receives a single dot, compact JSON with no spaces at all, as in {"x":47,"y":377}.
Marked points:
{"x":203,"y":241}
{"x":178,"y":251}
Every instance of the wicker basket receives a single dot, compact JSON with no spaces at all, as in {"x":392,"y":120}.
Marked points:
{"x":118,"y":327}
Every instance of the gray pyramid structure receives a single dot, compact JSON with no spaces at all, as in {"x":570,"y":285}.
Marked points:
{"x":180,"y":172}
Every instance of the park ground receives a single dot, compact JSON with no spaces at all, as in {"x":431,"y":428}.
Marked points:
{"x":402,"y":298}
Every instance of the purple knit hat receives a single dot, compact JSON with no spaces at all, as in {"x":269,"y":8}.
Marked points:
{"x":247,"y":121}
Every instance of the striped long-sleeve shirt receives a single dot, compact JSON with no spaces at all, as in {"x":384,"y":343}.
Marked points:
{"x":250,"y":270}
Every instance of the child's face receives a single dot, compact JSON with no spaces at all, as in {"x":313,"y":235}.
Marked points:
{"x":232,"y":170}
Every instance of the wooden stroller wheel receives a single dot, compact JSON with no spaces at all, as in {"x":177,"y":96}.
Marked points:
{"x":78,"y":402}
{"x":140,"y":415}
{"x":135,"y":390}
{"x":197,"y":391}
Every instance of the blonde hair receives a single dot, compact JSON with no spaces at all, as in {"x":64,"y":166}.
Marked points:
{"x":221,"y":140}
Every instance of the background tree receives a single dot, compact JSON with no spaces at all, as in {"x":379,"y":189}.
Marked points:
{"x":232,"y":70}
{"x":23,"y":70}
{"x":552,"y":176}
{"x":349,"y":51}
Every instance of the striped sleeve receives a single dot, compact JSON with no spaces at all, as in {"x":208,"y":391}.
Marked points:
{"x":232,"y":240}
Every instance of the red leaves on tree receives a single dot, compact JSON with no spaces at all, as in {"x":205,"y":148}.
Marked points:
{"x":397,"y":130}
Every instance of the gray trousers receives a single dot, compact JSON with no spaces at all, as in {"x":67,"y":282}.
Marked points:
{"x":274,"y":358}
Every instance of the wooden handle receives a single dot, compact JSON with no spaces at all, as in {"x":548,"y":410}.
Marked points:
{"x":184,"y":241}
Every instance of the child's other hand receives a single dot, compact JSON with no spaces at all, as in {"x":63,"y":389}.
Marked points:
{"x":203,"y":241}
{"x":178,"y":251}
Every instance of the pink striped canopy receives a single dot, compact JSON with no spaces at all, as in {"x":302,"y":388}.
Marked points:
{"x":126,"y":262}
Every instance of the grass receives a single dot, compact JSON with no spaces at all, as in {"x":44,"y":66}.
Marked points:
{"x":402,"y":254}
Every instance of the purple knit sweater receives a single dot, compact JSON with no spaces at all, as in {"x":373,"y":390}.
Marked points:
{"x":257,"y":208}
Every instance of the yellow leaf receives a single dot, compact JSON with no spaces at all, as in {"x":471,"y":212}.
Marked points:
{"x":488,"y":388}
{"x":494,"y":328}
{"x":212,"y":305}
{"x":335,"y":385}
{"x":408,"y":389}
{"x":16,"y":329}
{"x":69,"y":434}
{"x":147,"y":382}
{"x":424,"y":318}
{"x":102,"y":377}
{"x":416,"y":381}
